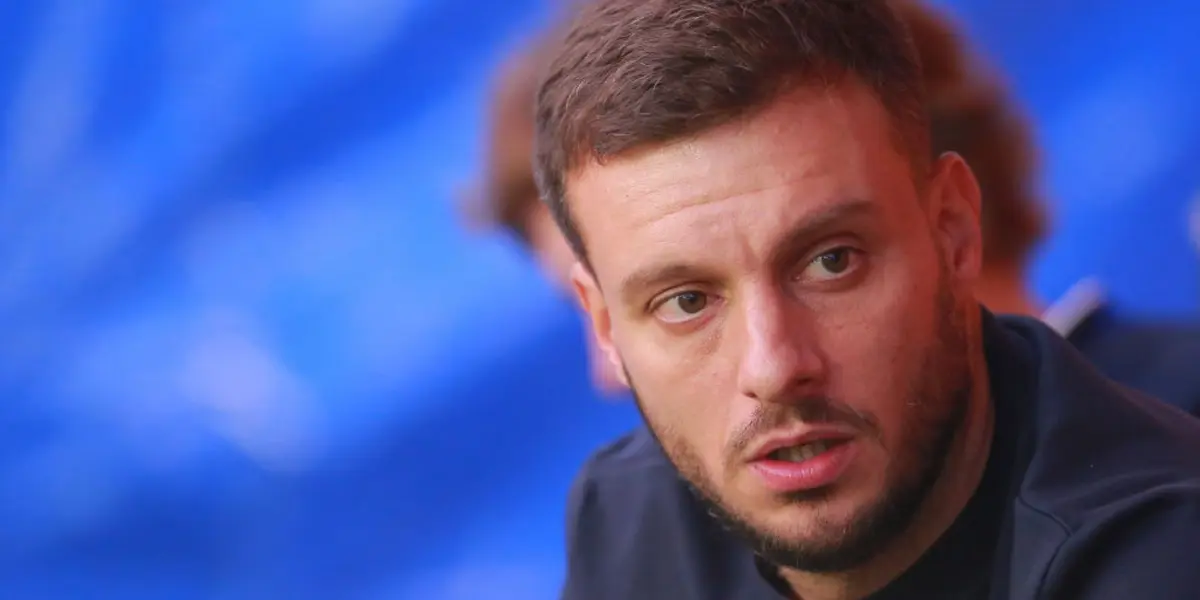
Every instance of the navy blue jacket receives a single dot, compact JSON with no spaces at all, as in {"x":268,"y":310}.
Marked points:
{"x":1092,"y":492}
{"x":1161,"y":359}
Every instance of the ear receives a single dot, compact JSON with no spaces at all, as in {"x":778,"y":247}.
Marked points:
{"x":955,"y":208}
{"x":594,"y":306}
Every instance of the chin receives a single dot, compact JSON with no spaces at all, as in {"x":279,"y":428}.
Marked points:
{"x":804,"y":515}
{"x":832,"y":510}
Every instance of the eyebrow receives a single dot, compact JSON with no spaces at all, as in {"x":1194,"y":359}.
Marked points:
{"x":655,"y":277}
{"x":795,"y":243}
{"x":800,"y":240}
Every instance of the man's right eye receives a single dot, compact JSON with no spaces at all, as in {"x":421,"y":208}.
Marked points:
{"x":681,"y":307}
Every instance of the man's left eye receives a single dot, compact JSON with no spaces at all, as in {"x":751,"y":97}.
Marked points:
{"x":832,"y":263}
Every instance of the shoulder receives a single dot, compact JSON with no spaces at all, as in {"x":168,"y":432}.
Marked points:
{"x":1141,"y":546}
{"x":1088,"y":439}
{"x":1154,"y":356}
{"x":1074,"y":404}
{"x":636,"y":531}
{"x":628,"y":477}
{"x":628,"y":515}
{"x":1109,"y":481}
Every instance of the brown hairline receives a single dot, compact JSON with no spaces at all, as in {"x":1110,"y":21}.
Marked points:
{"x":632,"y":74}
{"x":507,"y":193}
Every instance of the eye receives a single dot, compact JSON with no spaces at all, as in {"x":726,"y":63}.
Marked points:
{"x":682,"y":307}
{"x":832,"y":264}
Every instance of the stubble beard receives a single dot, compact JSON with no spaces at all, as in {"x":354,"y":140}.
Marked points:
{"x":938,"y":399}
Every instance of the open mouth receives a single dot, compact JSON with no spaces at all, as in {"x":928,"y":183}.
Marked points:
{"x":806,"y":466}
{"x":803,"y":452}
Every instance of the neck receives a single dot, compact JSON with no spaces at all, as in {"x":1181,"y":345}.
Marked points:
{"x":961,"y":475}
{"x":1002,"y":290}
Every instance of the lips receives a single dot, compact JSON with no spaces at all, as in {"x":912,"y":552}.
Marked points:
{"x":801,"y":445}
{"x":804,"y":462}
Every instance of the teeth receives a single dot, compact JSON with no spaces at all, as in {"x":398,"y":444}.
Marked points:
{"x":803,"y":453}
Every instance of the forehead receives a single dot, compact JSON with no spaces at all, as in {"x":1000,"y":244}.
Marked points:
{"x":808,"y":152}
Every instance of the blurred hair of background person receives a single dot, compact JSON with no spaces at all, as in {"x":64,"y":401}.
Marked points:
{"x":508,"y":196}
{"x":971,"y":114}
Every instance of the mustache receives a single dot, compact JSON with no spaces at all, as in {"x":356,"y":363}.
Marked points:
{"x":815,"y":410}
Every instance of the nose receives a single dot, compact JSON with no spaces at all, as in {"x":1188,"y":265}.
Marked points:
{"x":781,"y":360}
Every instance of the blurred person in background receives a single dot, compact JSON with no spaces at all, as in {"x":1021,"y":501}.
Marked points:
{"x":970,"y":114}
{"x":783,"y":275}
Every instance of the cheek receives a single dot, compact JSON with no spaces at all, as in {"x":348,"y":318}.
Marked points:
{"x":876,"y":339}
{"x":685,"y":392}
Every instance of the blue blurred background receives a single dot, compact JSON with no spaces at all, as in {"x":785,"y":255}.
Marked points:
{"x":248,"y":350}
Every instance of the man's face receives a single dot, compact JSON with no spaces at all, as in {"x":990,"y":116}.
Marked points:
{"x":788,"y":305}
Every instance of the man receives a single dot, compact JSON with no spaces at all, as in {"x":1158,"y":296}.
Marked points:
{"x":782,"y":274}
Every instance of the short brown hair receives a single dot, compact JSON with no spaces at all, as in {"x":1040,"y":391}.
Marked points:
{"x":631,"y":73}
{"x":970,"y":113}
